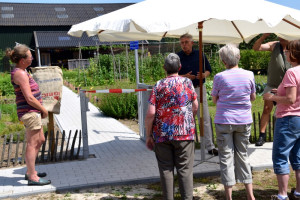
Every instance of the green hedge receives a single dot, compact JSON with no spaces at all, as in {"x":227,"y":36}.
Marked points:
{"x":255,"y":60}
{"x":119,"y":106}
{"x":6,"y":88}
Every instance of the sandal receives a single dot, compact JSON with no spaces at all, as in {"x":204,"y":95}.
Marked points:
{"x":40,"y":182}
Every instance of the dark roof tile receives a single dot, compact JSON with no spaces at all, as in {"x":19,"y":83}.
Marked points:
{"x":61,"y":39}
{"x":34,"y":14}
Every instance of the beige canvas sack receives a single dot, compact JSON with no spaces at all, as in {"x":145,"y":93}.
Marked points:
{"x":50,"y":81}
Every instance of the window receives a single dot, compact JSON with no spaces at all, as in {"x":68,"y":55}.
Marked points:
{"x":63,"y":38}
{"x":7,"y":8}
{"x":62,"y":16}
{"x":98,"y":9}
{"x":60,"y":9}
{"x":7,"y":15}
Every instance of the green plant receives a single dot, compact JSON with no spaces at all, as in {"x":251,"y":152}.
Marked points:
{"x":120,"y":106}
{"x":216,"y":65}
{"x":211,"y":186}
{"x":256,"y":61}
{"x":6,"y":88}
{"x":68,"y":194}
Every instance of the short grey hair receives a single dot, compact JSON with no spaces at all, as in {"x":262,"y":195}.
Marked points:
{"x":186,"y":35}
{"x":230,"y":54}
{"x":172,"y":63}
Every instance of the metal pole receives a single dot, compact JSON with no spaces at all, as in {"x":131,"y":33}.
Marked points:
{"x":39,"y":56}
{"x":137,"y":67}
{"x":84,"y":129}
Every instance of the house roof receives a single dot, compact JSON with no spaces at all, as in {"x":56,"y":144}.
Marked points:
{"x":37,"y":14}
{"x":60,"y":39}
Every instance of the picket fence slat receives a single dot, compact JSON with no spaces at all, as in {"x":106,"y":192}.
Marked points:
{"x":79,"y":142}
{"x":3,"y":150}
{"x":73,"y":145}
{"x":62,"y":146}
{"x":43,"y":147}
{"x":23,"y":151}
{"x":66,"y":154}
{"x":9,"y":149}
{"x":17,"y":149}
{"x":56,"y":144}
{"x":49,"y":147}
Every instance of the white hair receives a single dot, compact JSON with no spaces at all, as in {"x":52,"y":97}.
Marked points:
{"x":230,"y":55}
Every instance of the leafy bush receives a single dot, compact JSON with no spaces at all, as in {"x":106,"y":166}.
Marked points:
{"x":9,"y":122}
{"x":120,"y":106}
{"x":255,"y":60}
{"x":6,"y":87}
{"x":216,"y":65}
{"x":2,"y":53}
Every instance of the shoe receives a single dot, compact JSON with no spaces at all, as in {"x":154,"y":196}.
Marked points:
{"x":40,"y":182}
{"x":261,"y":140}
{"x":275,"y":197}
{"x":292,"y":196}
{"x":41,"y":175}
{"x":214,"y":152}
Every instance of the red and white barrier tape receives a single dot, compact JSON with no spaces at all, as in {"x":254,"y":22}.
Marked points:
{"x":118,"y":90}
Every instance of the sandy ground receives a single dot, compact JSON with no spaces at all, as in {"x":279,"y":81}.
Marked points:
{"x":142,"y":191}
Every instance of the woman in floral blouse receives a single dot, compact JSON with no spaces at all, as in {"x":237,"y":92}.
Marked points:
{"x":170,"y":128}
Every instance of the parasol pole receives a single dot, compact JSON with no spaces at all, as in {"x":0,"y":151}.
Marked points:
{"x":201,"y":121}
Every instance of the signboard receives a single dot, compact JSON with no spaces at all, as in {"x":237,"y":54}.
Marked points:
{"x":134,"y":45}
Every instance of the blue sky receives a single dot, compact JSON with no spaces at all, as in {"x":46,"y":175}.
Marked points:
{"x":290,"y":3}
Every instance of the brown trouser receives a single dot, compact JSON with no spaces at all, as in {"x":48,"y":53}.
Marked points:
{"x":179,"y":154}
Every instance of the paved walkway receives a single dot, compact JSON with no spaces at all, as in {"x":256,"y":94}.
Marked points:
{"x":121,"y":157}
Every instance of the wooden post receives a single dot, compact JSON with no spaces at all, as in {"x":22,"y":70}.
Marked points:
{"x":201,"y":120}
{"x":50,"y":131}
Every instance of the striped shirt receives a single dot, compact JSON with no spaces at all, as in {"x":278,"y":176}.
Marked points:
{"x":233,"y":88}
{"x":22,"y":106}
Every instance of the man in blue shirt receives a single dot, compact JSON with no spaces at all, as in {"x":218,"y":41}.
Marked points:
{"x":189,"y":59}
